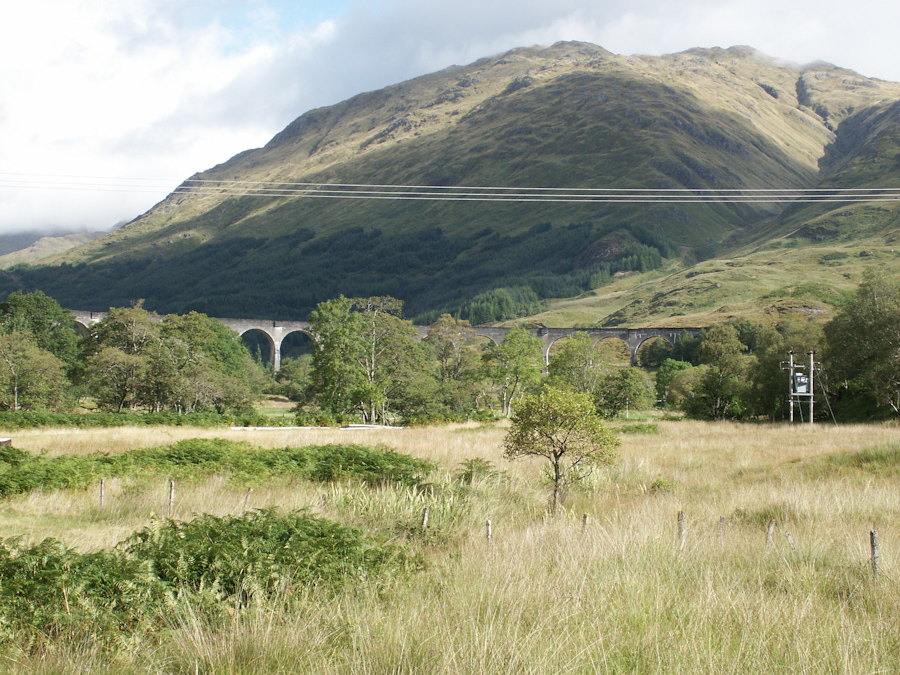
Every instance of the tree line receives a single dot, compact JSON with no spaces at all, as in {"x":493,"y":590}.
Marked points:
{"x":129,"y":360}
{"x":366,"y":363}
{"x":737,"y":370}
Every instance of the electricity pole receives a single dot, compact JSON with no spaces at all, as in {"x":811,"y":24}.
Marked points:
{"x":812,"y":398}
{"x":800,"y":384}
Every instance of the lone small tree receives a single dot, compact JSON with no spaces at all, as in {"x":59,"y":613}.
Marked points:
{"x":564,"y":428}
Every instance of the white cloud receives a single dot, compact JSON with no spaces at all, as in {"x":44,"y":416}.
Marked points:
{"x":101,"y":88}
{"x":164,"y":88}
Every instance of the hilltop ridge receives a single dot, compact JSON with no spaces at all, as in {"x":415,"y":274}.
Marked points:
{"x":572,"y":115}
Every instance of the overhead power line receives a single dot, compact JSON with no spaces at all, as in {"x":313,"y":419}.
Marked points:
{"x":532,"y":194}
{"x":358,"y":191}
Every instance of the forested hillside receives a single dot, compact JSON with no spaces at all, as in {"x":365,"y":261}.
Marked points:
{"x":571,"y":116}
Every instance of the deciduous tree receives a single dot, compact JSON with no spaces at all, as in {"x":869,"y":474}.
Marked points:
{"x":564,"y":428}
{"x":863,"y":340}
{"x":621,"y":390}
{"x":724,"y":387}
{"x":768,"y":390}
{"x":389,"y":341}
{"x":578,"y":366}
{"x":114,"y":377}
{"x":336,"y":377}
{"x":31,"y":378}
{"x":514,"y":365}
{"x":448,"y":338}
{"x":668,"y":369}
{"x":52,"y":328}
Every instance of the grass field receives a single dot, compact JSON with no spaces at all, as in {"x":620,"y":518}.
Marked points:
{"x":619,"y":593}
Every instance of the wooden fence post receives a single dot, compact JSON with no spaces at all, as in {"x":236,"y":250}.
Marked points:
{"x":770,"y":531}
{"x":102,"y":492}
{"x":487,"y":531}
{"x":585,"y":519}
{"x":682,"y":532}
{"x":790,"y":540}
{"x":424,"y":519}
{"x":172,"y":498}
{"x":873,"y":541}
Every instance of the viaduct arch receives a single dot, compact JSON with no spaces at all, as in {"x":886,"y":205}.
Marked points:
{"x":277,"y":331}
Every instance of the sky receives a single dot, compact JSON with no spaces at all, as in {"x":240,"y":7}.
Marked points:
{"x":107,"y":105}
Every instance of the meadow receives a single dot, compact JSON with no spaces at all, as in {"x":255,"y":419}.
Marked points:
{"x":607,"y":586}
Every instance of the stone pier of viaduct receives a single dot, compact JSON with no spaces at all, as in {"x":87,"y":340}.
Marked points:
{"x":276,"y":331}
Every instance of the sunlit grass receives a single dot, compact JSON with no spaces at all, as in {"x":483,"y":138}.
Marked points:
{"x":618,"y":592}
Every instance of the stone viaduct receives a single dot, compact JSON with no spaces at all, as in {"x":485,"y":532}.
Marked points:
{"x":276,"y":331}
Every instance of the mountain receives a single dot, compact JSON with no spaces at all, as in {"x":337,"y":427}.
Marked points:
{"x":46,"y":247}
{"x":571,"y":116}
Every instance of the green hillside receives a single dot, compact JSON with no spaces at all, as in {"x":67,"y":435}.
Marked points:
{"x":568,"y":116}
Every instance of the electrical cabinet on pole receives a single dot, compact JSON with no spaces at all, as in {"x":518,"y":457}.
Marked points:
{"x":800,"y":384}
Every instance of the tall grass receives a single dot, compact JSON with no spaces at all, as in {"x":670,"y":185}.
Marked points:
{"x":545,"y":595}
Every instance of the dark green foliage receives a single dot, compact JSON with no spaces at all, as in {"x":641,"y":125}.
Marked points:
{"x":514,"y":365}
{"x":11,"y":421}
{"x":668,"y":369}
{"x":686,"y":348}
{"x":257,"y":552}
{"x":58,"y":473}
{"x":369,"y":362}
{"x":836,"y":255}
{"x":621,"y":390}
{"x":653,"y":353}
{"x":210,"y":338}
{"x":330,"y":463}
{"x":768,"y":394}
{"x":724,"y":389}
{"x":500,"y":304}
{"x":185,"y":364}
{"x":50,"y":591}
{"x":431,"y":270}
{"x":52,"y":327}
{"x":863,"y":340}
{"x":22,"y":472}
{"x":13,"y":456}
{"x":294,"y":378}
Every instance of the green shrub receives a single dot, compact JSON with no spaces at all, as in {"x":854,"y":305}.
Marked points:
{"x":13,"y":421}
{"x":664,"y":485}
{"x":49,"y":591}
{"x":22,"y":472}
{"x":257,"y":552}
{"x":329,"y":463}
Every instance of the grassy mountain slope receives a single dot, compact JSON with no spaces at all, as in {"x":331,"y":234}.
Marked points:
{"x":47,"y":247}
{"x":570,"y":116}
